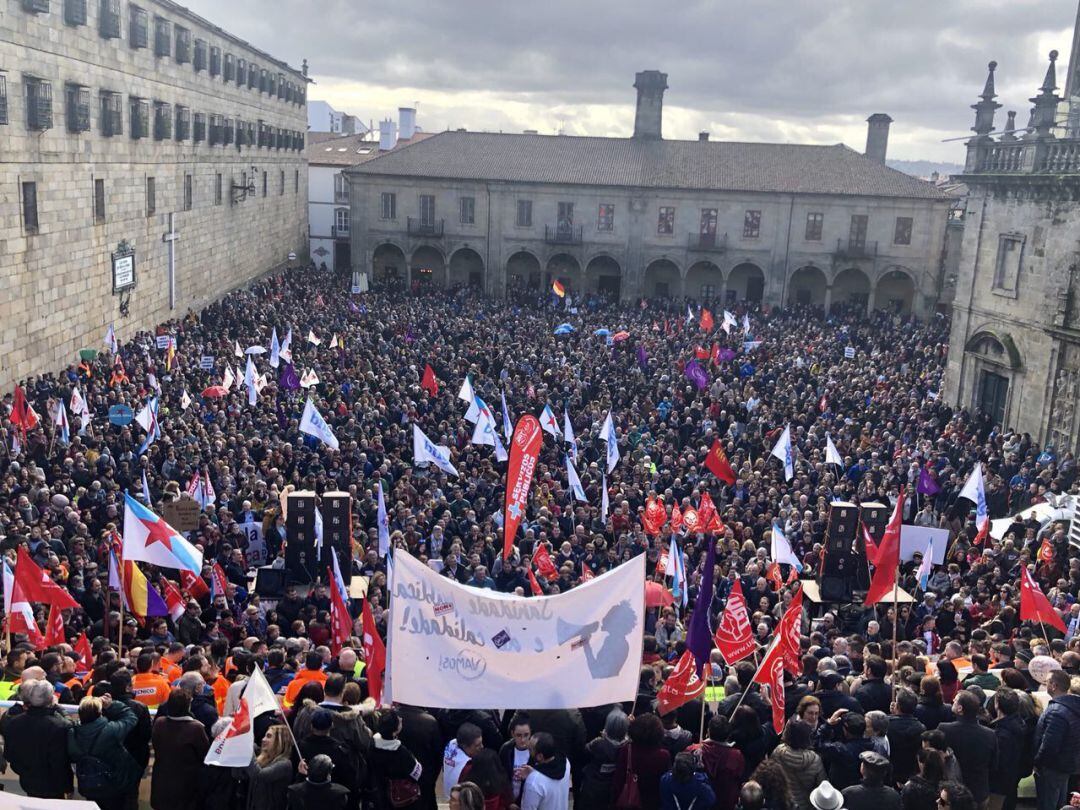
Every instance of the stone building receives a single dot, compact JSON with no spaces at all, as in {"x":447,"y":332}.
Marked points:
{"x":152,"y":162}
{"x":648,"y":216}
{"x":1014,"y":351}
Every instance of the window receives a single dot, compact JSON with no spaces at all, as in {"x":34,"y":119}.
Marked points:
{"x":341,"y":189}
{"x":271,"y":84}
{"x":36,"y":6}
{"x":707,"y":227}
{"x":227,"y":131}
{"x":564,"y":218}
{"x":902,"y":233}
{"x":199,"y":62}
{"x":264,"y":183}
{"x":140,"y":117}
{"x":252,"y":76}
{"x":112,"y":115}
{"x":183,"y":123}
{"x":109,"y":19}
{"x":665,"y":221}
{"x":151,"y":196}
{"x":296,"y":181}
{"x":216,"y":127}
{"x":3,"y":99}
{"x":187,"y":191}
{"x":815,"y":223}
{"x":29,"y":207}
{"x":77,"y":102}
{"x":341,"y":222}
{"x":281,"y":86}
{"x":427,"y":210}
{"x":281,"y":185}
{"x":183,"y":45}
{"x":264,"y":80}
{"x":38,"y":104}
{"x":230,"y":68}
{"x":99,"y":200}
{"x":217,"y":189}
{"x":524,"y":213}
{"x":163,"y":113}
{"x":198,"y":128}
{"x":215,"y":60}
{"x":605,"y":217}
{"x":75,"y":12}
{"x":751,"y":225}
{"x":138,"y":27}
{"x":468,"y":210}
{"x":162,"y":39}
{"x":857,"y":231}
{"x":241,"y":70}
{"x":1007,"y":267}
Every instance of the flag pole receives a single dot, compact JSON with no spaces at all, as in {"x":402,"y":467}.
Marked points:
{"x":1046,"y":638}
{"x":895,"y":624}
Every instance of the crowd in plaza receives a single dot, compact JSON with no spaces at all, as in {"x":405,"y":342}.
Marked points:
{"x":952,"y":704}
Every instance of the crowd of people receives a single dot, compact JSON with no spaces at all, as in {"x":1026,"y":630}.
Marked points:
{"x":968,"y":702}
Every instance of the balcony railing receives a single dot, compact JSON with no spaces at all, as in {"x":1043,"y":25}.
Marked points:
{"x":707,"y":241}
{"x":563,"y":235}
{"x":430,"y":228}
{"x":1063,"y":156}
{"x":852,"y":249}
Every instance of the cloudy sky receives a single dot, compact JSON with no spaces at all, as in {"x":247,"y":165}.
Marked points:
{"x":767,"y":70}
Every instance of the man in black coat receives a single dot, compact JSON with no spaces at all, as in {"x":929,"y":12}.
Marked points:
{"x":1010,"y":730}
{"x":841,"y":741}
{"x":904,"y":735}
{"x":975,"y":747}
{"x":873,"y":693}
{"x":831,"y":698}
{"x":36,"y":743}
{"x":872,"y":793}
{"x":137,"y":742}
{"x":1057,"y":743}
{"x":420,"y":734}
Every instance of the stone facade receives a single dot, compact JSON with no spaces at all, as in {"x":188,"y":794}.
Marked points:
{"x":56,"y":291}
{"x":1014,"y":351}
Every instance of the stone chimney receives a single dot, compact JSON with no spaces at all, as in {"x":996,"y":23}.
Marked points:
{"x":648,"y":119}
{"x":703,"y":136}
{"x":877,"y":137}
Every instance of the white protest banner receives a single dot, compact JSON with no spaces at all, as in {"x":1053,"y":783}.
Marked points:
{"x":917,"y":538}
{"x":452,"y":646}
{"x":256,"y":545}
{"x":849,"y":352}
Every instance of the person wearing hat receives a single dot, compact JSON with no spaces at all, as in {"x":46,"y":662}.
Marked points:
{"x":318,"y":791}
{"x":826,"y":797}
{"x":872,"y":793}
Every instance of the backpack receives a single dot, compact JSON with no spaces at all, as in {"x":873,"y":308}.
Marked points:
{"x":630,"y":795}
{"x":95,"y":775}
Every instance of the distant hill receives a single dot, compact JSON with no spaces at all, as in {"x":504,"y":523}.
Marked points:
{"x":924,"y":168}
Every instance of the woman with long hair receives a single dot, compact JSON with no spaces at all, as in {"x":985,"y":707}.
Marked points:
{"x":801,"y":764}
{"x":748,"y":736}
{"x":920,"y":792}
{"x":950,"y":680}
{"x":466,"y":796}
{"x":271,"y":772}
{"x":774,"y":784}
{"x":487,"y":773}
{"x":645,"y":757}
{"x":599,"y":770}
{"x":932,"y":710}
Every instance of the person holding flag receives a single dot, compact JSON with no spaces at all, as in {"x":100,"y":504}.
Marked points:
{"x":975,"y":491}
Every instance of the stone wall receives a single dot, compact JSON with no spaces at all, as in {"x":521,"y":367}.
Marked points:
{"x":56,"y":284}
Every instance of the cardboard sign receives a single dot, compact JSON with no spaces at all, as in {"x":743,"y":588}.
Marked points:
{"x":256,"y":545}
{"x":182,"y":515}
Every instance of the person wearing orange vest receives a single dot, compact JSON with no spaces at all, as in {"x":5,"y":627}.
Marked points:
{"x":311,"y":673}
{"x":169,"y":662}
{"x":148,"y":687}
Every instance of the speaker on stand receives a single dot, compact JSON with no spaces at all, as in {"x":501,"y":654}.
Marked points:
{"x":337,"y":531}
{"x":301,"y":563}
{"x":875,"y":516}
{"x":836,"y":576}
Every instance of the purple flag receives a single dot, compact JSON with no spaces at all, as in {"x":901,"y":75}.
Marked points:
{"x":353,"y":308}
{"x":927,"y":485}
{"x":697,"y":375}
{"x":699,"y":638}
{"x":288,"y":379}
{"x":409,"y":335}
{"x":725,"y":355}
{"x":642,"y":358}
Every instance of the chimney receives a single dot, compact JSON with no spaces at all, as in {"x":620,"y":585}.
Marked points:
{"x":877,"y":137}
{"x":406,"y":122}
{"x":387,"y":135}
{"x":648,"y":118}
{"x":703,"y":136}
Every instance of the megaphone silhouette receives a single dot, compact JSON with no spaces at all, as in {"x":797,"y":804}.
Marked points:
{"x":565,"y":631}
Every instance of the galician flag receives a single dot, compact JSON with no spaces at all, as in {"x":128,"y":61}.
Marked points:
{"x":60,"y":419}
{"x":549,"y":423}
{"x":782,"y":451}
{"x":148,"y":538}
{"x":975,"y":491}
{"x":607,"y":434}
{"x":576,"y":490}
{"x":926,"y":567}
{"x":676,"y":569}
{"x":426,"y":451}
{"x":568,"y":433}
{"x":780,"y":550}
{"x":508,"y":424}
{"x":275,"y":349}
{"x":484,"y":432}
{"x":383,"y":524}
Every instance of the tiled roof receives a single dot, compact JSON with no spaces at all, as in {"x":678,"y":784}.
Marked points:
{"x":334,"y":149}
{"x":629,"y":162}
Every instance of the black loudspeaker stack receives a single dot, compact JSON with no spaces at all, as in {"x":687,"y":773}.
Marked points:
{"x":337,"y":531}
{"x":837,"y":574}
{"x":875,"y":516}
{"x":301,"y":560}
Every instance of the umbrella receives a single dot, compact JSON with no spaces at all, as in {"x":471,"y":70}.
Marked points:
{"x":215,"y":391}
{"x":87,"y":354}
{"x":255,"y":350}
{"x":602,"y":332}
{"x":620,"y":336}
{"x":656,"y":595}
{"x":563,"y":329}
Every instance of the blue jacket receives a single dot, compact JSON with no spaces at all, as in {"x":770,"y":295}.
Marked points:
{"x":681,"y":795}
{"x":1057,"y":736}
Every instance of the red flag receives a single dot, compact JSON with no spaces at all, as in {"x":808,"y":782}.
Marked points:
{"x":54,"y":628}
{"x":193,"y":585}
{"x":340,"y":618}
{"x":429,"y":383}
{"x":871,"y":545}
{"x":654,"y":517}
{"x":1034,"y":606}
{"x":374,"y":654}
{"x":1046,"y":551}
{"x":34,"y":585}
{"x":31,"y":629}
{"x":676,"y":517}
{"x":708,"y":519}
{"x":717,"y":463}
{"x":772,"y":573}
{"x":534,"y":586}
{"x":701,"y":353}
{"x":707,"y":323}
{"x":217,"y":581}
{"x":661,"y":563}
{"x":691,"y":519}
{"x":681,"y":686}
{"x":887,"y":558}
{"x":823,"y":403}
{"x":22,"y":413}
{"x":86,"y":654}
{"x":543,"y":562}
{"x":771,"y":673}
{"x":524,"y":450}
{"x":174,"y":600}
{"x":586,"y":573}
{"x":790,"y":634}
{"x":715,"y":358}
{"x":734,"y":636}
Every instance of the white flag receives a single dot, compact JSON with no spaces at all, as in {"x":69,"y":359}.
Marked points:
{"x":384,"y":525}
{"x":79,"y":406}
{"x":275,"y":349}
{"x":236,"y":349}
{"x":466,"y":393}
{"x":235,"y":745}
{"x":249,"y":381}
{"x":576,"y":489}
{"x":312,"y":423}
{"x":782,"y":451}
{"x":484,"y":432}
{"x":229,"y":379}
{"x":746,"y":324}
{"x":549,"y":423}
{"x":111,"y":341}
{"x":424,"y":450}
{"x":607,"y":434}
{"x":185,"y":400}
{"x":500,"y":451}
{"x":312,"y":339}
{"x":258,"y":694}
{"x":832,"y":455}
{"x":604,"y":503}
{"x":319,"y":530}
{"x":568,"y":433}
{"x":309,"y":379}
{"x":334,"y":341}
{"x":729,"y":321}
{"x":286,"y":351}
{"x":508,"y":426}
{"x":146,"y":490}
{"x":780,"y":550}
{"x":689,"y":315}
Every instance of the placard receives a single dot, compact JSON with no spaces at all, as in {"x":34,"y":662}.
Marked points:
{"x":849,"y":352}
{"x":123,"y":268}
{"x":162,"y":341}
{"x":182,"y":515}
{"x":256,"y":545}
{"x":917,"y":538}
{"x":206,"y":362}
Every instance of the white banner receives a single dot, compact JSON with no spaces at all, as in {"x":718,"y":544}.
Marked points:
{"x":917,"y":538}
{"x":456,"y":647}
{"x":256,"y":546}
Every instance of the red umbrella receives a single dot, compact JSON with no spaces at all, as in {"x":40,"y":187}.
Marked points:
{"x":620,"y":336}
{"x":215,"y":391}
{"x":656,"y":595}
